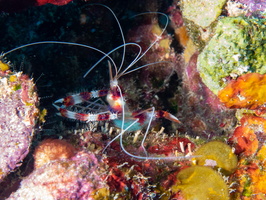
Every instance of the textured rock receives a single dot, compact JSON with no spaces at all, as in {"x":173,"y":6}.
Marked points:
{"x":76,"y":178}
{"x":202,"y":12}
{"x":17,"y":118}
{"x":236,"y":48}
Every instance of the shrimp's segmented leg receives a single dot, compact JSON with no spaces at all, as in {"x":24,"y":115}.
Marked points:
{"x":150,"y":115}
{"x":81,"y":97}
{"x":147,"y":116}
{"x":138,"y":120}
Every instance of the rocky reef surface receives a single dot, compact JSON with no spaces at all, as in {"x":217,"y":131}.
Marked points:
{"x":208,"y":71}
{"x":19,"y":115}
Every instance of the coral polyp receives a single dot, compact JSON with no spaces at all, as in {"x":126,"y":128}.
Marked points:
{"x":50,"y":150}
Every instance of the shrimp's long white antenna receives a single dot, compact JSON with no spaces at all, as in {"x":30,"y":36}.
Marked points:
{"x":59,"y":42}
{"x":122,"y":35}
{"x":147,"y":157}
{"x":139,"y":55}
{"x":116,"y":71}
{"x":158,"y":37}
{"x":135,"y":69}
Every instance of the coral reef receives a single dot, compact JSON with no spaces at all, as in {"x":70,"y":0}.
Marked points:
{"x":247,"y":91}
{"x":247,"y":8}
{"x":250,"y":177}
{"x":249,"y":142}
{"x":218,"y":155}
{"x":208,"y":116}
{"x":78,"y":177}
{"x":235,"y":49}
{"x":50,"y":150}
{"x":211,"y":78}
{"x":200,"y":182}
{"x":203,"y":12}
{"x":247,"y":137}
{"x":200,"y":19}
{"x":19,"y":114}
{"x":130,"y":178}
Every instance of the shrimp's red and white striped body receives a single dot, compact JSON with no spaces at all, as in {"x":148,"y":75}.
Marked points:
{"x":116,"y":104}
{"x":64,"y":106}
{"x":81,"y":97}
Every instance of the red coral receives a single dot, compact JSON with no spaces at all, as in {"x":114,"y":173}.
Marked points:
{"x":55,"y":2}
{"x":246,"y":138}
{"x":175,"y":144}
{"x":17,"y":5}
{"x":117,"y":181}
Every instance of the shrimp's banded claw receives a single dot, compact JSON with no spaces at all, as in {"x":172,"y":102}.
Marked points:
{"x":166,"y":115}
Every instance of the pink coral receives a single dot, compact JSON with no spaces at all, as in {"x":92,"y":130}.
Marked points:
{"x":200,"y":105}
{"x":18,"y":116}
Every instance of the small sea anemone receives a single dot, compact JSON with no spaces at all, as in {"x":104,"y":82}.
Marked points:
{"x":52,"y":149}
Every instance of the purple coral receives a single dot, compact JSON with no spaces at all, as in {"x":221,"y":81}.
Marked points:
{"x":17,"y":118}
{"x":247,"y":7}
{"x":76,"y":178}
{"x":254,"y":5}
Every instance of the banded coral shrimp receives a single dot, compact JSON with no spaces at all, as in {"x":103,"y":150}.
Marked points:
{"x":119,"y":107}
